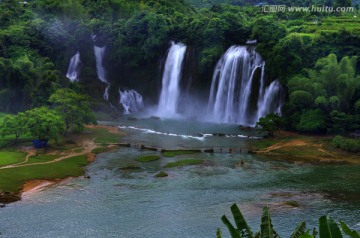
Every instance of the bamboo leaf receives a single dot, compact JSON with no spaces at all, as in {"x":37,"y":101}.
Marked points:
{"x":267,"y":230}
{"x":306,"y":236}
{"x":300,"y":230}
{"x":240,"y":222}
{"x":347,"y":231}
{"x":218,"y":233}
{"x":233,"y":232}
{"x":328,"y":228}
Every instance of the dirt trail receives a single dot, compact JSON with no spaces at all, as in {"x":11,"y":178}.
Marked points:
{"x":87,"y":145}
{"x":312,"y":150}
{"x":284,"y":144}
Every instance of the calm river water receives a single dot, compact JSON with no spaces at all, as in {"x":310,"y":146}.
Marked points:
{"x":192,"y":199}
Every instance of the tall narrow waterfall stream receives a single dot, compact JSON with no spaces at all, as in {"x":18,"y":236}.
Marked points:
{"x":170,"y":91}
{"x":74,"y":67}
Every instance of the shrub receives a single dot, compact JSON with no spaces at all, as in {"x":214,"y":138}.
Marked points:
{"x":352,"y":145}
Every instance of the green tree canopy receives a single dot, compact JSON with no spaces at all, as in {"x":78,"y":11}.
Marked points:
{"x":327,"y":93}
{"x":44,"y":123}
{"x":14,"y":125}
{"x":312,"y":121}
{"x":73,"y":107}
{"x":271,"y":123}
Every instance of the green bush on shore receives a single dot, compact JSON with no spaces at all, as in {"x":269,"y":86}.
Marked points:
{"x":348,"y":144}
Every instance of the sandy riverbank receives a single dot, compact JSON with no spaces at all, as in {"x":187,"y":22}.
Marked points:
{"x":81,"y":145}
{"x":33,"y":186}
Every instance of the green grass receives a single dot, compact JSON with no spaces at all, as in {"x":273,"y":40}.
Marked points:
{"x":7,"y":158}
{"x":148,"y":158}
{"x":267,"y":142}
{"x":41,"y":158}
{"x":174,"y":153}
{"x":335,"y":24}
{"x":12,"y":180}
{"x":100,"y":150}
{"x":103,"y":136}
{"x":184,"y":162}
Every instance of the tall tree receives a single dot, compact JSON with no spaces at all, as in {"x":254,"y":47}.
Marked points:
{"x":44,"y":123}
{"x":14,"y":125}
{"x":74,"y":108}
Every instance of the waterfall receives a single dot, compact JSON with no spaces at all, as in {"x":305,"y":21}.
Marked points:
{"x":74,"y":67}
{"x":99,"y":57}
{"x":106,"y":92}
{"x":271,"y":101}
{"x":131,"y":100}
{"x":170,"y":91}
{"x":238,"y":93}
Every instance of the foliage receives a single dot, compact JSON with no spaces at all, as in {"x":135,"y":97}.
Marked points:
{"x":342,"y":122}
{"x":25,"y":79}
{"x":352,"y":145}
{"x":327,"y":227}
{"x":14,"y":125}
{"x":209,"y":3}
{"x":299,"y":230}
{"x":312,"y":121}
{"x":270,"y":123}
{"x":348,"y":231}
{"x":37,"y":40}
{"x":73,"y":107}
{"x":326,"y":95}
{"x":242,"y":227}
{"x":44,"y":124}
{"x":268,"y":32}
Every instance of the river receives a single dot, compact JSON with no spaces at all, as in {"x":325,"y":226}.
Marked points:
{"x":192,"y":199}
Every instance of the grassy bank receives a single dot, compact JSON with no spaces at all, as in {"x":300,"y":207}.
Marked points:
{"x":296,"y":147}
{"x":12,"y":179}
{"x":9,"y":157}
{"x":65,"y":158}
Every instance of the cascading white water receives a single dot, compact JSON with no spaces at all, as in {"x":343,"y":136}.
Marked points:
{"x":99,"y":56}
{"x":131,"y":100}
{"x":237,"y":76}
{"x":271,"y":101}
{"x":74,"y":67}
{"x":170,"y":91}
{"x":106,"y":92}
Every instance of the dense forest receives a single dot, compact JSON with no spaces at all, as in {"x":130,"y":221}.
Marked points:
{"x":313,"y":54}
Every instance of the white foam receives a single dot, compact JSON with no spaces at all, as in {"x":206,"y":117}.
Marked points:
{"x":162,"y":133}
